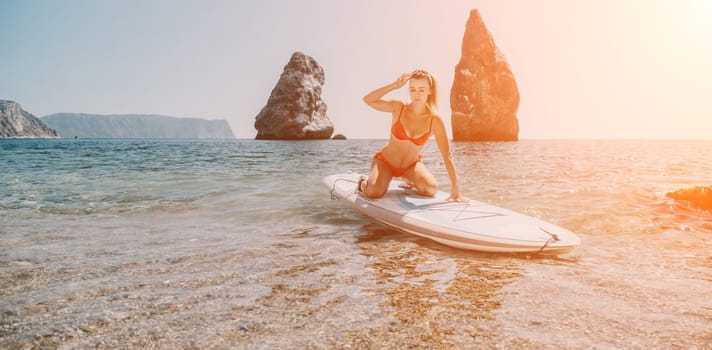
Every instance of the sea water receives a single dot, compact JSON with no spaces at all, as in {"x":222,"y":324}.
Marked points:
{"x":237,"y":244}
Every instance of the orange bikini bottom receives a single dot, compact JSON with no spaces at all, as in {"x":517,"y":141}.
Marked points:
{"x":397,"y":172}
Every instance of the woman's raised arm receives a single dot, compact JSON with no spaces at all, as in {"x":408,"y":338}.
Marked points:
{"x":375,"y":97}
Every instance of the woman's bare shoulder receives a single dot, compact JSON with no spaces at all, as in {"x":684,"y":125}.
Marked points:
{"x":438,"y":122}
{"x":436,"y":117}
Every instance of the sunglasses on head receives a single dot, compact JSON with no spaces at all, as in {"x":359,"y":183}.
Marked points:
{"x":419,"y":73}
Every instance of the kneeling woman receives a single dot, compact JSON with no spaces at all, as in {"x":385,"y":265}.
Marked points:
{"x":411,"y":127}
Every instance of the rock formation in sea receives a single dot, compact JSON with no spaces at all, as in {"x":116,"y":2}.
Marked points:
{"x":699,"y":197}
{"x":339,"y":137}
{"x":137,"y":126}
{"x":18,"y":123}
{"x":295,"y":110}
{"x":484,"y":97}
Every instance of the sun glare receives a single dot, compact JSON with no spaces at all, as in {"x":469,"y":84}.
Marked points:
{"x":694,"y":19}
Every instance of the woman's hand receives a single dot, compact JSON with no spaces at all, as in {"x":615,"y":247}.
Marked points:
{"x":457,"y":198}
{"x":402,"y":79}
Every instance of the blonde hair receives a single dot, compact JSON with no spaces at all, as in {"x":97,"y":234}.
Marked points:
{"x":433,"y":97}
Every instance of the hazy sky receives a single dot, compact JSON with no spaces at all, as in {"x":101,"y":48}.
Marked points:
{"x":585,"y":69}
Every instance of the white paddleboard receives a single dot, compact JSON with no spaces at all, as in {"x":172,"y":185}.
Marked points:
{"x":473,"y":226}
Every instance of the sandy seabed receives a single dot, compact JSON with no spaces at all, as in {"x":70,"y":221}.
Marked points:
{"x":401,"y":297}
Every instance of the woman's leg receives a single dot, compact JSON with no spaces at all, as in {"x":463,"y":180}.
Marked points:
{"x":379,"y":178}
{"x":423,"y":181}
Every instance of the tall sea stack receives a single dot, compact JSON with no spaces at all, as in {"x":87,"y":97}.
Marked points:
{"x":484,"y":98}
{"x":295,"y":110}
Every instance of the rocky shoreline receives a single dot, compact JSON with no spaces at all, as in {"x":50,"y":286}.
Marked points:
{"x":15,"y":122}
{"x":698,"y":197}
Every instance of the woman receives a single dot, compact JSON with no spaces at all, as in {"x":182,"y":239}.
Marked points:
{"x":411,"y":127}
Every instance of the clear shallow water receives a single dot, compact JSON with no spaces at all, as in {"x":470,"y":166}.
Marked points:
{"x":181,"y":243}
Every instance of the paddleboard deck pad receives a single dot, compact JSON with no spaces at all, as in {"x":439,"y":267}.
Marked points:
{"x":473,"y":226}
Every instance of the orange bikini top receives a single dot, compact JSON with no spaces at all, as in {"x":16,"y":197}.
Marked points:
{"x":399,"y":131}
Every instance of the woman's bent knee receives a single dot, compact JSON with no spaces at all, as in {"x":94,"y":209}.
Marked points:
{"x":429,"y":190}
{"x":374,"y":193}
{"x":373,"y":190}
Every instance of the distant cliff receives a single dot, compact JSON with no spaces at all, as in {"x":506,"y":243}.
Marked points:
{"x":16,"y":122}
{"x":137,"y":126}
